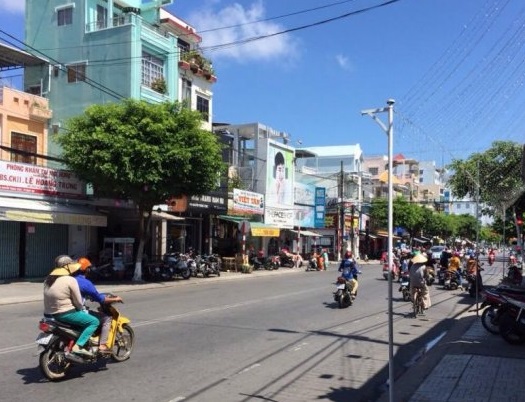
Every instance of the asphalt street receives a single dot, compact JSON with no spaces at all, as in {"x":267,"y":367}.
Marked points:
{"x":271,"y":336}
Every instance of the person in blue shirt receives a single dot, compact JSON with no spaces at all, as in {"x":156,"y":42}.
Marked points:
{"x":349,"y":271}
{"x":89,"y":291}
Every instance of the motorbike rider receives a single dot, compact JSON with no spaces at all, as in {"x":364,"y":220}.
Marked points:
{"x":454,"y":265}
{"x":418,"y":278}
{"x":348,"y":268}
{"x":63,"y":302}
{"x":473,"y":269}
{"x":89,"y":291}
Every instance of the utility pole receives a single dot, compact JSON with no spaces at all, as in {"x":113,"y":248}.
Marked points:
{"x":341,"y":234}
{"x":389,"y":130}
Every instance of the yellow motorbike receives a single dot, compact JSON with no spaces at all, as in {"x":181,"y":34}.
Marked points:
{"x":57,"y":339}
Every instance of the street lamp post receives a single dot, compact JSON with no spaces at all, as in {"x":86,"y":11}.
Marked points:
{"x":389,"y":130}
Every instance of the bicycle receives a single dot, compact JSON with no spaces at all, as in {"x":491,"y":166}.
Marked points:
{"x":417,"y":303}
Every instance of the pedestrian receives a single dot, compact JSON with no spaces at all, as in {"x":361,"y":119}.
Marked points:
{"x":418,"y":279}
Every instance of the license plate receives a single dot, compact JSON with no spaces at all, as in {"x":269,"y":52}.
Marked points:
{"x":447,"y":282}
{"x":341,"y":286}
{"x":43,"y":339}
{"x":404,"y":283}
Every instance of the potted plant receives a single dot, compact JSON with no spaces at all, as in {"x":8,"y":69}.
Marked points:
{"x":159,"y":85}
{"x":246,"y":268}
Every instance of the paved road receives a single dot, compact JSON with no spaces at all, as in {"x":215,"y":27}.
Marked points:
{"x":275,"y":338}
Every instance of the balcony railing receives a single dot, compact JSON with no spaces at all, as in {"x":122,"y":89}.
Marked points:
{"x":118,"y":21}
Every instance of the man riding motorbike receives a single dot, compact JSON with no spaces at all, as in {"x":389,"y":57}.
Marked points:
{"x":63,"y":302}
{"x":348,"y":268}
{"x":89,"y":291}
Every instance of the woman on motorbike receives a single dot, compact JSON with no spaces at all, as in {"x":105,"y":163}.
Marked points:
{"x":63,"y":301}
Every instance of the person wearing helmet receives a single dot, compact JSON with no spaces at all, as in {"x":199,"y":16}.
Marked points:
{"x":89,"y":291}
{"x":348,"y":268}
{"x":63,"y":302}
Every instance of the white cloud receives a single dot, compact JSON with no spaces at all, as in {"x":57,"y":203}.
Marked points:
{"x":12,"y":6}
{"x":240,"y":19}
{"x":343,"y":61}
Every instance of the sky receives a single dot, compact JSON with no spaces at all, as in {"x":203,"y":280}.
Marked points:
{"x":455,"y":68}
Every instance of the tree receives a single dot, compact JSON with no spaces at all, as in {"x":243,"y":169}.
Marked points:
{"x":144,"y":152}
{"x":496,"y":172}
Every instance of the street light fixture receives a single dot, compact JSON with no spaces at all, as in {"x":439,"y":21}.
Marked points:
{"x":389,"y":130}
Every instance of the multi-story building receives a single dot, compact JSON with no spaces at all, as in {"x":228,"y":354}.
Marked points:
{"x":105,"y":51}
{"x":44,"y":211}
{"x":339,"y":169}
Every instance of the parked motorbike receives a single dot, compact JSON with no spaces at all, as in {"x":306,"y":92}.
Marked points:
{"x":512,"y":321}
{"x":404,"y":287}
{"x":158,"y":272}
{"x":57,"y":339}
{"x":103,"y":272}
{"x":494,"y":305}
{"x":514,"y":274}
{"x":211,"y":265}
{"x":178,"y":263}
{"x":286,"y":260}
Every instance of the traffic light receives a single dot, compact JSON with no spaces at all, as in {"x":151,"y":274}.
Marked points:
{"x":519,"y":221}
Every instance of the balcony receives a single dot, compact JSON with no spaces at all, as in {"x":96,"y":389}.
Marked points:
{"x":40,"y":112}
{"x":198,"y":64}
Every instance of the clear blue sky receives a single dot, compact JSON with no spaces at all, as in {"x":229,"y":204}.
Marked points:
{"x":455,"y":68}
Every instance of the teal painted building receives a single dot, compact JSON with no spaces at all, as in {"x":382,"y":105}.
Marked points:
{"x":100,"y":51}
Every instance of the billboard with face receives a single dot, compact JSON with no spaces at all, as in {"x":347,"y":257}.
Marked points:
{"x":279,"y":176}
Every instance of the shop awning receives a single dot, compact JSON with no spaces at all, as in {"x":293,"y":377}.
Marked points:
{"x":161,"y":215}
{"x":422,"y":241}
{"x":37,"y":211}
{"x":385,"y":234}
{"x":306,"y":233}
{"x":258,"y":229}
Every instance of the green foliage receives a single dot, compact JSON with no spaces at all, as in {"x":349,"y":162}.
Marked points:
{"x":159,"y":85}
{"x":497,"y":170}
{"x":141,"y":151}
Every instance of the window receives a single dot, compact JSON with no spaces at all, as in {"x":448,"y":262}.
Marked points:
{"x":373,"y":171}
{"x":76,"y":72}
{"x":152,"y":69}
{"x":25,"y":143}
{"x":102,"y":17}
{"x":186,"y":92}
{"x":203,"y":106}
{"x":65,"y":16}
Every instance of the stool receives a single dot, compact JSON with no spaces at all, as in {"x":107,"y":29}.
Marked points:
{"x":229,"y":263}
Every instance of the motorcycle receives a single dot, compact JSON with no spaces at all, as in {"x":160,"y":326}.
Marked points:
{"x":211,"y":265}
{"x":158,"y":272}
{"x":394,"y":271}
{"x":514,"y":275}
{"x":404,"y":288}
{"x":177,"y":262}
{"x":312,"y":264}
{"x":286,"y":260}
{"x":494,"y":305}
{"x":512,"y":321}
{"x":342,"y":295}
{"x":57,"y":339}
{"x":451,"y":281}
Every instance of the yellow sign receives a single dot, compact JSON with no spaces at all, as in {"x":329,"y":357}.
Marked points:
{"x":265,"y":232}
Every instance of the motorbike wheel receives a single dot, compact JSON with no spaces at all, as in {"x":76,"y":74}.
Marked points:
{"x":489,"y":320}
{"x":509,"y":330}
{"x":53,"y":363}
{"x":123,"y":345}
{"x":453,"y":286}
{"x":406,"y":295}
{"x":186,"y":273}
{"x":344,"y":299}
